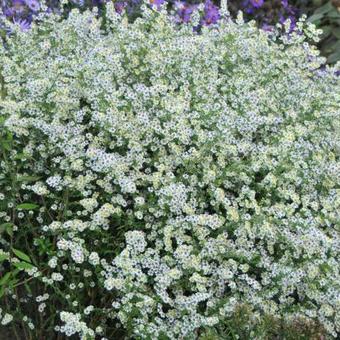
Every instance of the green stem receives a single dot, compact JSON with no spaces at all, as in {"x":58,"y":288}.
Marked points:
{"x":2,"y":87}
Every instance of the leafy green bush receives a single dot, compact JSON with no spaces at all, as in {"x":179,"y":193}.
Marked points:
{"x":154,"y":180}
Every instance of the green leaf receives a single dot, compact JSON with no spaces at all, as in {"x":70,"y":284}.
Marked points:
{"x":27,"y":178}
{"x":12,"y":283}
{"x":315,"y":17}
{"x":324,"y":9}
{"x":334,"y":57}
{"x":28,"y":288}
{"x":9,"y":231}
{"x":9,"y":136}
{"x":6,"y":227}
{"x":6,"y":145}
{"x":21,"y":255}
{"x":5,"y":278}
{"x":336,"y":32}
{"x":326,"y":30}
{"x":334,"y":14}
{"x":3,"y":257}
{"x":23,"y":265}
{"x":23,"y":156}
{"x":27,"y":206}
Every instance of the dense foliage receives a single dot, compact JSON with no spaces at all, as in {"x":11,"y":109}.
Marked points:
{"x":162,"y":183}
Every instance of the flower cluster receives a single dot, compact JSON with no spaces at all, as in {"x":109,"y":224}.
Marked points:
{"x":153,"y":179}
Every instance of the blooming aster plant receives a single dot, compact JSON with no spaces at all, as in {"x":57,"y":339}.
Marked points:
{"x":155,"y":181}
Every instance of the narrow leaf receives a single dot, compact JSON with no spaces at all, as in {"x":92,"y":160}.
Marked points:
{"x":5,"y":278}
{"x":21,"y":255}
{"x":23,"y":265}
{"x":27,"y":178}
{"x":27,"y":206}
{"x":3,"y":257}
{"x":5,"y":226}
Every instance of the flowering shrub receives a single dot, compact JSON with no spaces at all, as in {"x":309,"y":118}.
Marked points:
{"x":156,"y":182}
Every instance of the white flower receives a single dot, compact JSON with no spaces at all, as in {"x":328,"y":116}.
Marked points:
{"x":77,"y":254}
{"x":57,"y":277}
{"x":94,"y":258}
{"x":53,"y":262}
{"x":7,"y":318}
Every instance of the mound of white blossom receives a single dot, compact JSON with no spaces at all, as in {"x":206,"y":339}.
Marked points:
{"x":158,"y":178}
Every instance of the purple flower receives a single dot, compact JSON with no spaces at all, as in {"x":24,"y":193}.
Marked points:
{"x":268,"y":28}
{"x":18,"y":6}
{"x":257,"y":3}
{"x":78,"y":2}
{"x":184,"y":11}
{"x":119,"y":6}
{"x":157,"y":3}
{"x":9,"y":12}
{"x":285,"y":3}
{"x":292,"y":19}
{"x":97,"y":3}
{"x":247,"y":7}
{"x":25,"y":25}
{"x":211,"y":13}
{"x":33,"y":5}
